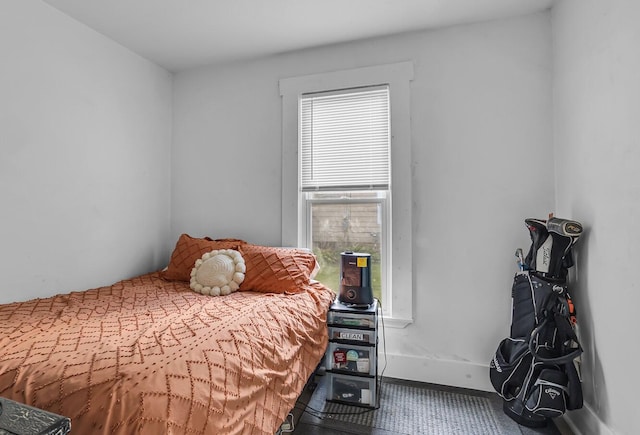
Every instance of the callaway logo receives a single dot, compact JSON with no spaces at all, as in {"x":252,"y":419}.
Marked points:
{"x":552,"y":392}
{"x":494,"y":365}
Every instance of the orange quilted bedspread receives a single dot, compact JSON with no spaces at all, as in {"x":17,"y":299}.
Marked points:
{"x":148,"y":356}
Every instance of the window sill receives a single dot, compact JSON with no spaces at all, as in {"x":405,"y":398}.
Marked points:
{"x":397,"y":323}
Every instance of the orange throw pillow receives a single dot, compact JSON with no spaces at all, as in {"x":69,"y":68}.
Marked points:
{"x":188,"y":250}
{"x":276,"y":270}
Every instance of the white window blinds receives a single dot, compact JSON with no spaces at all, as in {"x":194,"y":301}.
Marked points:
{"x":344,"y":139}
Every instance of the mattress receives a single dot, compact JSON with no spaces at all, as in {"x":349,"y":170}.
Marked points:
{"x":150,"y":356}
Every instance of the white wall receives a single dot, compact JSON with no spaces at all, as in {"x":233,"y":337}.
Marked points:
{"x":482,"y":162}
{"x":597,"y":109}
{"x":85,"y":136}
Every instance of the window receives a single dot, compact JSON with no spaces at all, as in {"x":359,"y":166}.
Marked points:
{"x":351,"y":190}
{"x":345,"y":179}
{"x":354,"y":221}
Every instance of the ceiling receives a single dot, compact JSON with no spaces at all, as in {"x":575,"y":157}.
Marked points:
{"x":181,"y":34}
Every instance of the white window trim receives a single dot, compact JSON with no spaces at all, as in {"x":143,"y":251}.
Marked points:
{"x":398,"y":77}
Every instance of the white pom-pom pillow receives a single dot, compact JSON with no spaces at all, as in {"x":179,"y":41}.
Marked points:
{"x":218,"y":272}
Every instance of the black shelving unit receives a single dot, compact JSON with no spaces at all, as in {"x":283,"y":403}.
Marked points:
{"x":351,"y":360}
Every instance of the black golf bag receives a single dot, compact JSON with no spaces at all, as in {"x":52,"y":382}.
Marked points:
{"x":536,"y":369}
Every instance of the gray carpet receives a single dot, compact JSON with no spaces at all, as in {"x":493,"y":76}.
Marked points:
{"x":407,"y":408}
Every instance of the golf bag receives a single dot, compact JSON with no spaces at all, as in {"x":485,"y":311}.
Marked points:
{"x":536,"y":369}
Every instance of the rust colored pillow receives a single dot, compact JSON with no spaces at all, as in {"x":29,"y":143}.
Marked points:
{"x":276,"y":270}
{"x":188,"y":250}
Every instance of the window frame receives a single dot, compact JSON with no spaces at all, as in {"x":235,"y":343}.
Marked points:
{"x":398,"y":77}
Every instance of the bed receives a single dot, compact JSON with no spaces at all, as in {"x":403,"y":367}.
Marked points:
{"x":150,"y":355}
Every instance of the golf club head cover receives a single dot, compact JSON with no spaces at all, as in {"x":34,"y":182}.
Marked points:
{"x":565,"y":234}
{"x":539,"y":234}
{"x":551,"y":242}
{"x":564,"y":227}
{"x":560,"y":253}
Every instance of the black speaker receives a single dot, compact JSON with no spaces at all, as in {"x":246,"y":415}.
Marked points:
{"x":355,"y":279}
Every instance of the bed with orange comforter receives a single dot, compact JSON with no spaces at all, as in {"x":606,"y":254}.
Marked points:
{"x":151,"y":356}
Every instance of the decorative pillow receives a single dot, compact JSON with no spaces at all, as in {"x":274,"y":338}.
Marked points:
{"x":276,"y":270}
{"x":218,"y":272}
{"x":188,"y":249}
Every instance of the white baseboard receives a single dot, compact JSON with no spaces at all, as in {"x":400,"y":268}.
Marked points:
{"x":463,"y":374}
{"x":586,"y":422}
